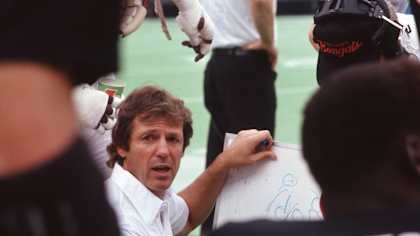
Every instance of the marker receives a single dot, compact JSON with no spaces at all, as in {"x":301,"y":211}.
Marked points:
{"x":262,"y":146}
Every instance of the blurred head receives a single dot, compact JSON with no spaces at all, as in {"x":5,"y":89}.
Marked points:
{"x":152,"y":131}
{"x":361,"y":130}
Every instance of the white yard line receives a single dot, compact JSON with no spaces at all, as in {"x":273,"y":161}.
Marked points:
{"x":301,"y":63}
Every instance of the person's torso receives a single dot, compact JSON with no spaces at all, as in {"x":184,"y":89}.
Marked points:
{"x":234,"y":24}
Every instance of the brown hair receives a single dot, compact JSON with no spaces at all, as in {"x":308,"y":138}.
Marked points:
{"x":146,"y":104}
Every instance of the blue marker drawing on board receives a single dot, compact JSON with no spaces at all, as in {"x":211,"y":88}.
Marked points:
{"x":285,"y":206}
{"x":281,"y":189}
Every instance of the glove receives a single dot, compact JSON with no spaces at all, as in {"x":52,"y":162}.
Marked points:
{"x":197,"y":25}
{"x":95,"y":109}
{"x":133,"y":14}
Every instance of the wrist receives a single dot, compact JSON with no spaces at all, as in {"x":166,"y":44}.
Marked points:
{"x":221,"y":164}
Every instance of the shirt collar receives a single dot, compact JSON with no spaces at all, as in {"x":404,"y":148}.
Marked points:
{"x":144,"y":201}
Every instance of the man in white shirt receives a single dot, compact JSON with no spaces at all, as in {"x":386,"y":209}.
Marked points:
{"x":95,"y":113}
{"x":140,"y":212}
{"x":239,"y":81}
{"x":152,"y":131}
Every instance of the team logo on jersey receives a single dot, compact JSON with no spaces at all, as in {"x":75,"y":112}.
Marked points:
{"x":340,"y":49}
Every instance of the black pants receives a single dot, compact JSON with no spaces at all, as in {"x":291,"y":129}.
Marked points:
{"x":239,"y":94}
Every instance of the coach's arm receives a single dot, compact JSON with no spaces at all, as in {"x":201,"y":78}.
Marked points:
{"x":201,"y":195}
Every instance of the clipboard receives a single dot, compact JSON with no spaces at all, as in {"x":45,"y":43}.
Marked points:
{"x":279,"y":190}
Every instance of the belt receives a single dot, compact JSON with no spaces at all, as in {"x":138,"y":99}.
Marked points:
{"x":235,"y":51}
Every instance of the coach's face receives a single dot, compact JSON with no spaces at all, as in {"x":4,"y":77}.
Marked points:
{"x":154,"y":154}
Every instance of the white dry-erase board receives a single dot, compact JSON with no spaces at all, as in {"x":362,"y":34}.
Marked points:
{"x":281,"y":190}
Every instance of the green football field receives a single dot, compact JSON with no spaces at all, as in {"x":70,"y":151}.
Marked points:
{"x":149,"y":59}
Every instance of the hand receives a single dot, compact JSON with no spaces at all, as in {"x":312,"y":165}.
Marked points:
{"x":198,"y":26}
{"x":271,"y":50}
{"x":243,"y":149}
{"x":95,"y":109}
{"x":133,"y":14}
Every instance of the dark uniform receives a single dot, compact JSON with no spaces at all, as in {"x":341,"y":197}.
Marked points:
{"x":78,"y":37}
{"x":65,"y":196}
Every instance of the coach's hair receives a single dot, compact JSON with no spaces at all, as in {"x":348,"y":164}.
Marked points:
{"x":147,"y":104}
{"x":356,"y":123}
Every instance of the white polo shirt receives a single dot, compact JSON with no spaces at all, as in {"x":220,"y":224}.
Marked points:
{"x":139,"y":211}
{"x":234,"y":25}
